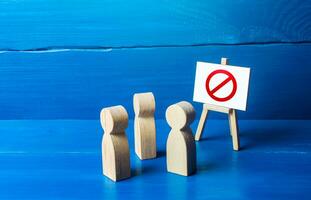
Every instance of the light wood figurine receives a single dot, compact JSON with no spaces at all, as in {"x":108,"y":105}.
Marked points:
{"x":180,"y":146}
{"x":115,"y":147}
{"x":144,"y":125}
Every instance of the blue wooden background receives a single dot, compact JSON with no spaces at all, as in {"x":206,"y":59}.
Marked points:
{"x":66,"y":59}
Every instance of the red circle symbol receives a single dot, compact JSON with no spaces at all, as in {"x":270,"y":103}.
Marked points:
{"x":211,"y":92}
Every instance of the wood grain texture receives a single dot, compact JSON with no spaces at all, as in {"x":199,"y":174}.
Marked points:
{"x":77,"y":84}
{"x":115,"y":146}
{"x":201,"y":124}
{"x":234,"y":129}
{"x":216,"y":108}
{"x":180,"y":145}
{"x":61,"y":159}
{"x":35,"y":24}
{"x":144,"y":125}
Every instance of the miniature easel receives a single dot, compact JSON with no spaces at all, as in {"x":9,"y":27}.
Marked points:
{"x":231,"y":115}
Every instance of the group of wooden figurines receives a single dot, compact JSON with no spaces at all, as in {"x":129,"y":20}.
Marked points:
{"x":180,"y":145}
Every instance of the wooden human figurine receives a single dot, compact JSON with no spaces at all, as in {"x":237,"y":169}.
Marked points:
{"x":144,"y":125}
{"x":115,"y":146}
{"x":180,"y":146}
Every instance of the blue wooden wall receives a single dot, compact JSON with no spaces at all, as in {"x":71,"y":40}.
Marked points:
{"x":66,"y":59}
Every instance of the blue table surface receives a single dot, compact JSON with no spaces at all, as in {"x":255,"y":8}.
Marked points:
{"x":61,"y":159}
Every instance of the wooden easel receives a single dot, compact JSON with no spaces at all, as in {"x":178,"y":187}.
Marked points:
{"x":234,"y":130}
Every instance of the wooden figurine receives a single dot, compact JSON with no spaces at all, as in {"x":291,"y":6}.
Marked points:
{"x":145,"y":131}
{"x":180,"y":146}
{"x":115,"y":146}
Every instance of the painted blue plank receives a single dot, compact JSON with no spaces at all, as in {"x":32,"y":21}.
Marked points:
{"x":105,"y":23}
{"x":274,"y":163}
{"x":77,"y":84}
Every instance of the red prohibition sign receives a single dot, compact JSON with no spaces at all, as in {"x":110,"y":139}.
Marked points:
{"x":211,"y":92}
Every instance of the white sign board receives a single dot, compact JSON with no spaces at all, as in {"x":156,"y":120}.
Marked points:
{"x":221,"y":85}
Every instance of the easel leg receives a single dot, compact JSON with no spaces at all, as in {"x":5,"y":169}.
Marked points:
{"x":234,"y":129}
{"x":201,"y":124}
